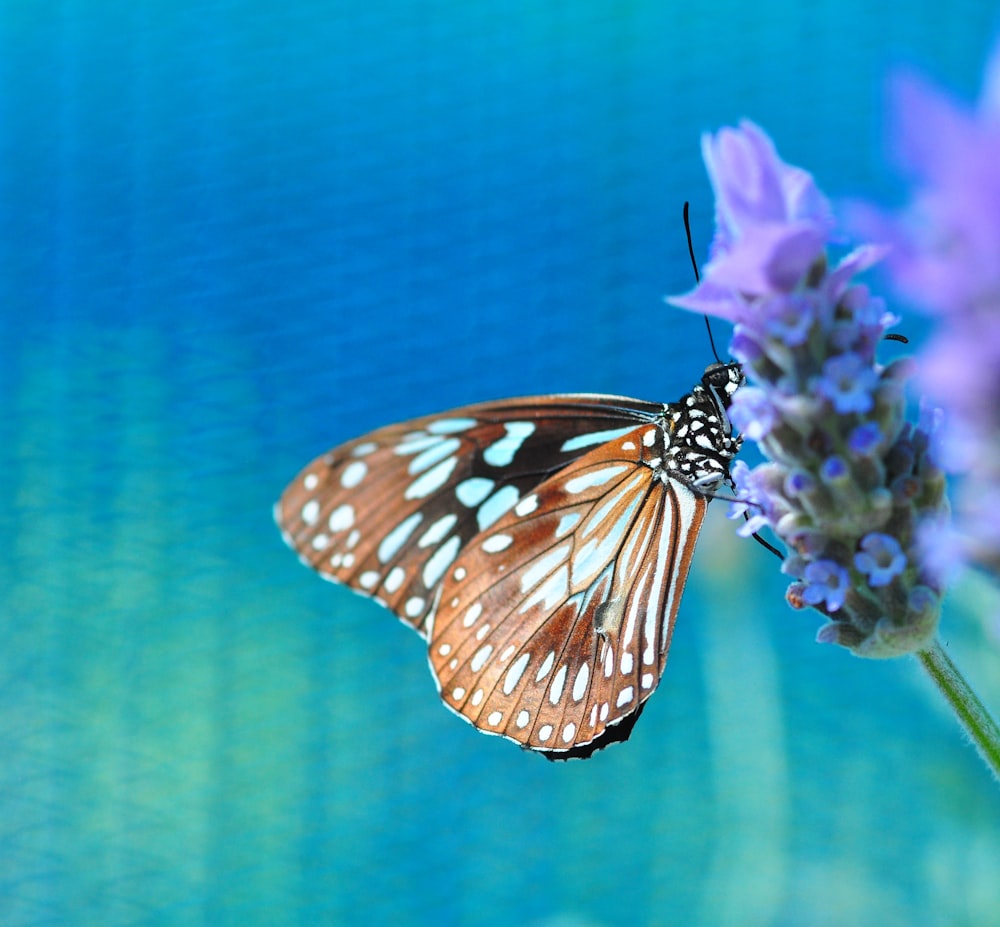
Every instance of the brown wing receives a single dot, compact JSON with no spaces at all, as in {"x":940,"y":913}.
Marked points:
{"x":553,"y":625}
{"x":388,"y":513}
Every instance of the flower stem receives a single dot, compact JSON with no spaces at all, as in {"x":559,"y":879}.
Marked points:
{"x":969,"y":711}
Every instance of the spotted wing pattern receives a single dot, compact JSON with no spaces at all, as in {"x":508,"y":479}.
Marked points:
{"x":387,"y":513}
{"x":553,"y":624}
{"x":540,"y":544}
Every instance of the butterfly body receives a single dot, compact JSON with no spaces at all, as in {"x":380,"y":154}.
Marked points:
{"x":541,"y":545}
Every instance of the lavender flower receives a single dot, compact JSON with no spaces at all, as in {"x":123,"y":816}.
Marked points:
{"x":881,"y":559}
{"x":848,"y":481}
{"x":826,"y":581}
{"x":946,"y":259}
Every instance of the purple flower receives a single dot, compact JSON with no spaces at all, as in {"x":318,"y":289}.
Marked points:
{"x":833,"y":469}
{"x":789,"y":317}
{"x":752,"y":412}
{"x":946,"y":258}
{"x":940,"y":549}
{"x":754,"y":187}
{"x":847,"y":381}
{"x":807,"y":335}
{"x":754,"y":500}
{"x":881,"y":559}
{"x":825,"y":582}
{"x":772,"y":223}
{"x":947,"y":245}
{"x":866,"y":438}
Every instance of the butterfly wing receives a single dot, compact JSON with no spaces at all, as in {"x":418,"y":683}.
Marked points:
{"x":388,"y":513}
{"x":553,"y":624}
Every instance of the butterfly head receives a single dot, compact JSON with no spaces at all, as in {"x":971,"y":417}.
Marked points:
{"x":721,"y":381}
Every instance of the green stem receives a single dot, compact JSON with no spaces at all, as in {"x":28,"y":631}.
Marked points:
{"x":970,"y":712}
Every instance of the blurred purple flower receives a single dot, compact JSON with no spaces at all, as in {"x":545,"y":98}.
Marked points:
{"x":881,"y":559}
{"x":866,"y":438}
{"x":752,"y":412}
{"x":847,"y":381}
{"x":946,"y":258}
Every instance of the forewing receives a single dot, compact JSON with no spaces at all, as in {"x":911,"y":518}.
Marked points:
{"x":553,"y":625}
{"x":388,"y":513}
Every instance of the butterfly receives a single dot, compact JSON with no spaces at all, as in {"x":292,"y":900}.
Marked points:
{"x":540,"y":545}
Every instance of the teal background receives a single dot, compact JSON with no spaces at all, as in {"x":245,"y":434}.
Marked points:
{"x":236,"y":233}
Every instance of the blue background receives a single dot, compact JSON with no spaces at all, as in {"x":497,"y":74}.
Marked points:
{"x":236,"y":233}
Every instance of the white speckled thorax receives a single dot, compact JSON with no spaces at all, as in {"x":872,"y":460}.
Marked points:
{"x":695,"y":442}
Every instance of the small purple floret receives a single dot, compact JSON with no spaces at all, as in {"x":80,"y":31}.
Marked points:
{"x":881,"y":559}
{"x":826,"y":582}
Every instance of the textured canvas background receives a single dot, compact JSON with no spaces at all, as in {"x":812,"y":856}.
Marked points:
{"x":236,"y":233}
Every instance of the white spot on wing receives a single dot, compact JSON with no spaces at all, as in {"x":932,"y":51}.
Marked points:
{"x":437,"y":530}
{"x":472,"y":615}
{"x":311,"y":481}
{"x":310,"y":512}
{"x":399,"y":535}
{"x":495,"y":718}
{"x":414,"y":606}
{"x":594,"y":437}
{"x":368,"y":579}
{"x":395,"y":579}
{"x":526,"y":506}
{"x":497,"y":504}
{"x":496,"y":543}
{"x":472,"y":491}
{"x":567,"y":523}
{"x":501,"y":452}
{"x":440,"y":561}
{"x":593,"y":478}
{"x":480,"y":657}
{"x":624,"y":697}
{"x":543,"y":670}
{"x":363,"y":450}
{"x":552,"y":591}
{"x":544,"y":732}
{"x":544,"y":565}
{"x":555,"y":691}
{"x":432,"y":480}
{"x":353,"y":474}
{"x":514,"y":674}
{"x":447,"y":426}
{"x":341,"y":518}
{"x":522,"y":719}
{"x":568,"y":732}
{"x":433,"y":455}
{"x":415,"y":442}
{"x":580,"y":684}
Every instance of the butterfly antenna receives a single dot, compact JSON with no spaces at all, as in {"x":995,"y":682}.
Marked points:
{"x":697,"y":276}
{"x":774,"y":550}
